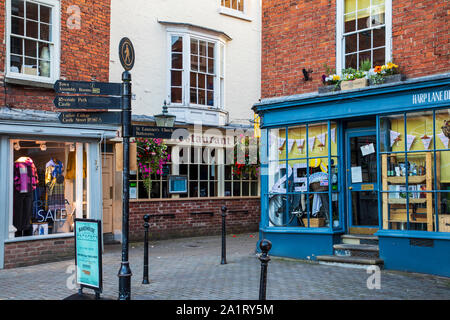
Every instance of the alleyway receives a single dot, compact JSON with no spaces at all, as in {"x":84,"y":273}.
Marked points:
{"x":190,"y":269}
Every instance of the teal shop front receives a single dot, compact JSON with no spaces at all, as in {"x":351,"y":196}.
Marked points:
{"x":371,"y":163}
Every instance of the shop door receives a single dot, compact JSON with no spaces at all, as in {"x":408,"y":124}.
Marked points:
{"x":362,"y":181}
{"x":108,"y":192}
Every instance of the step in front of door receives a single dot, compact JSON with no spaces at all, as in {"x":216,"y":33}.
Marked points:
{"x":351,"y":261}
{"x":359,"y":239}
{"x":357,"y":250}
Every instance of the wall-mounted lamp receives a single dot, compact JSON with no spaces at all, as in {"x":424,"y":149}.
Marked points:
{"x":306,"y":74}
{"x":43,"y":147}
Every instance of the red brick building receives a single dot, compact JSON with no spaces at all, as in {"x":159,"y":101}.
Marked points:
{"x":355,"y":114}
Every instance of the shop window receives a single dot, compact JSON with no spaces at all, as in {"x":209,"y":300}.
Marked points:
{"x":363,"y":28}
{"x":415,"y":171}
{"x":241,"y":183}
{"x":194,"y":64}
{"x":32,"y":32}
{"x":233,"y":4}
{"x":302,"y":160}
{"x":45,"y":187}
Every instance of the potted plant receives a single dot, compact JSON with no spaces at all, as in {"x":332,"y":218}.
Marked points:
{"x":248,"y":166}
{"x":387,"y":73}
{"x":331,"y":82}
{"x":152,"y":155}
{"x":353,"y":79}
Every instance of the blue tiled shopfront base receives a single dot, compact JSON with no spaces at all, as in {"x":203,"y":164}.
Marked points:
{"x":430,"y":256}
{"x":295,"y":245}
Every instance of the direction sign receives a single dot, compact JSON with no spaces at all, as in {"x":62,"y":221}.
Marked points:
{"x":85,"y":87}
{"x":126,"y":54}
{"x":87,"y":102}
{"x":152,"y":132}
{"x":90,"y":117}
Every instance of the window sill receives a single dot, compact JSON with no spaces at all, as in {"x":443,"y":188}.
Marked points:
{"x":235,"y":14}
{"x":43,"y":237}
{"x":195,"y":199}
{"x":31,"y":82}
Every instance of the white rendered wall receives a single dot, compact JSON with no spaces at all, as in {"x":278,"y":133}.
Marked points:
{"x":138,"y":20}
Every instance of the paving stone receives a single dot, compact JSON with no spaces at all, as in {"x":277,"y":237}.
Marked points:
{"x":182,"y":269}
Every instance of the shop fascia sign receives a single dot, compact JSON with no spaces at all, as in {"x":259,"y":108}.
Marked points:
{"x":205,"y":140}
{"x":431,"y":97}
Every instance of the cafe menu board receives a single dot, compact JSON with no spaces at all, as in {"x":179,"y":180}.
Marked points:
{"x":88,"y":253}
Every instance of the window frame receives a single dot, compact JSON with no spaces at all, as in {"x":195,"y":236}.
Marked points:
{"x":54,"y":47}
{"x":340,"y":47}
{"x":219,"y":79}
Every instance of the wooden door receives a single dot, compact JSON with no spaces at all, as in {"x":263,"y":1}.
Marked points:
{"x":108,"y":192}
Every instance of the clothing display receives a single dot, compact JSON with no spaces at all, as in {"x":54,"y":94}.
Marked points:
{"x":25,"y":183}
{"x":54,"y":182}
{"x":71,"y":166}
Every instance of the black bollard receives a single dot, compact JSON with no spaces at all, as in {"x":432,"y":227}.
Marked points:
{"x":265,"y":246}
{"x":146,"y":226}
{"x":224,"y":234}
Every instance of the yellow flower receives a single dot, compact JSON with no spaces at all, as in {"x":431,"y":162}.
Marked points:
{"x":383,"y":67}
{"x":336,"y":77}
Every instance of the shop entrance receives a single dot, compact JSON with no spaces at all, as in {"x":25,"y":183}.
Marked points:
{"x":108,"y":192}
{"x":362,"y":180}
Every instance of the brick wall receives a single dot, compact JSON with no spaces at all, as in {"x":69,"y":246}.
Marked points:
{"x":21,"y":254}
{"x":84,"y":53}
{"x":301,"y":34}
{"x":186,"y":224}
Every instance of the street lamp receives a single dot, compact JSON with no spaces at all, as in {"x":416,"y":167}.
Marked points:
{"x":165,"y":119}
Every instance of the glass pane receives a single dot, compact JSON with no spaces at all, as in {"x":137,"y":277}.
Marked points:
{"x":228,"y":189}
{"x":212,"y":189}
{"x":364,"y":208}
{"x":350,"y":6}
{"x":442,"y":128}
{"x":350,"y":22}
{"x":277,"y":210}
{"x":211,"y":66}
{"x":210,"y":98}
{"x":16,"y":63}
{"x":17,"y":26}
{"x":365,"y":40}
{"x":193,"y":96}
{"x":202,"y":48}
{"x":203,"y":189}
{"x":204,"y":172}
{"x":245,"y":189}
{"x":176,"y":78}
{"x":193,"y":80}
{"x":176,"y":95}
{"x":177,"y":44}
{"x":351,"y":43}
{"x":194,"y":62}
{"x":351,"y":61}
{"x":379,"y":37}
{"x":193,"y":189}
{"x":202,"y":97}
{"x":277,"y":139}
{"x":17,"y":8}
{"x":44,"y":51}
{"x":32,"y":29}
{"x":363,"y":4}
{"x":16,"y":45}
{"x":363,"y":56}
{"x":201,"y":80}
{"x":363,"y":19}
{"x":194,"y":46}
{"x":420,"y":130}
{"x":193,"y":172}
{"x":203,"y":64}
{"x":32,"y":11}
{"x":210,"y":50}
{"x":254,"y":190}
{"x":318,"y":143}
{"x":45,"y":14}
{"x":45,"y":32}
{"x":377,"y":15}
{"x":177,"y":61}
{"x":236,"y":189}
{"x":363,"y":159}
{"x":44,"y":68}
{"x":210,"y":82}
{"x":227,"y":172}
{"x":31,"y":48}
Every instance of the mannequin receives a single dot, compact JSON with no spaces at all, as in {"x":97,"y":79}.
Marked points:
{"x":54,"y":182}
{"x":25,"y":182}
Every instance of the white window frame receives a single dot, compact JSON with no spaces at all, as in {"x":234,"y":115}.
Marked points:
{"x":218,"y":77}
{"x":340,"y":49}
{"x":54,"y":49}
{"x":236,"y":13}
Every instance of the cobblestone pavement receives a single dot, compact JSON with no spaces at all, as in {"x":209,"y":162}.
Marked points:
{"x":190,"y":269}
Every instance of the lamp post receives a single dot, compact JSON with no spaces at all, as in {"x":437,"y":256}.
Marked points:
{"x":165,"y":119}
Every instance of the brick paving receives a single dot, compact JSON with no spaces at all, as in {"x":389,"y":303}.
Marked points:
{"x":189,"y":268}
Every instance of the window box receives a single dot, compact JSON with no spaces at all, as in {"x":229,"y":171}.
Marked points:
{"x":329,"y":88}
{"x":354,"y":84}
{"x":390,"y":79}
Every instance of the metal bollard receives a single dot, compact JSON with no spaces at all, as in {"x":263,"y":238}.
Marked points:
{"x":224,"y":234}
{"x":265,"y":246}
{"x":146,"y":226}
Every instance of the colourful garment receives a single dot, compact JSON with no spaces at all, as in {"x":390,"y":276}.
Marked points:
{"x":25,"y":175}
{"x":55,"y":187}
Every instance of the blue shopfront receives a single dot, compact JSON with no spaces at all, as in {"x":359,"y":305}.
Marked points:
{"x":360,"y":176}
